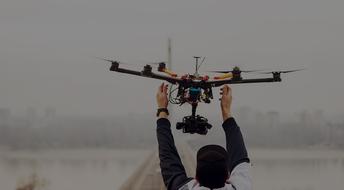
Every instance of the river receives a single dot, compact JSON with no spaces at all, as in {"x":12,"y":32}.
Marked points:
{"x":89,"y":169}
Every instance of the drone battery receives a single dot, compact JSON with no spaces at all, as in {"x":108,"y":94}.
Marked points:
{"x":194,"y":93}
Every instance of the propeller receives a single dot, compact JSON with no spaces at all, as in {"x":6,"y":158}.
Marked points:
{"x":112,"y":61}
{"x":229,"y":71}
{"x":125,"y":63}
{"x":286,"y":71}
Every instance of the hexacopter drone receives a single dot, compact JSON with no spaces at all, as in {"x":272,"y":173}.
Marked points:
{"x":195,"y":88}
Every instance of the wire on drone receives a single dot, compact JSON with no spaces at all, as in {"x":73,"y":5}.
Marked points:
{"x":173,"y":99}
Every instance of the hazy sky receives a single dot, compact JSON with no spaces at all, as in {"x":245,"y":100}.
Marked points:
{"x":47,"y":51}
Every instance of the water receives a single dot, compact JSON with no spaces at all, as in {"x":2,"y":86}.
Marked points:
{"x":107,"y":169}
{"x":297,"y":169}
{"x":70,"y":169}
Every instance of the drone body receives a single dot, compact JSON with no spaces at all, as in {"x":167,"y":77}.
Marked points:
{"x":195,"y":88}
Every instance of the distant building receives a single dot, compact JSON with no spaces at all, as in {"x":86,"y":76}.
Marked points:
{"x":305,"y":119}
{"x":245,"y":115}
{"x":5,"y":114}
{"x":48,"y":118}
{"x":273,"y":119}
{"x":31,"y":117}
{"x":260,"y":119}
{"x":50,"y":113}
{"x":318,"y":119}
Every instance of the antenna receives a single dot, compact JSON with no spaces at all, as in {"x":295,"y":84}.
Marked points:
{"x":169,"y":66}
{"x":169,"y":54}
{"x":196,"y":68}
{"x":201,"y":63}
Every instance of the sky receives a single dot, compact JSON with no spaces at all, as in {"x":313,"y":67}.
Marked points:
{"x":48,"y":50}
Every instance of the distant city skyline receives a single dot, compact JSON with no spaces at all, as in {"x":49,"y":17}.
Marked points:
{"x":262,"y":129}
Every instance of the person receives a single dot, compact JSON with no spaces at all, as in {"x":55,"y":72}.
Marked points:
{"x":216,"y":168}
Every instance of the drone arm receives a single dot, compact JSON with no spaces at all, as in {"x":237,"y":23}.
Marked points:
{"x":127,"y":71}
{"x":224,"y":76}
{"x":231,"y":81}
{"x":148,"y":74}
{"x":171,"y":73}
{"x":163,"y":77}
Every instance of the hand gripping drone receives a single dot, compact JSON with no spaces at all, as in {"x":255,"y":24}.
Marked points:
{"x":195,"y":88}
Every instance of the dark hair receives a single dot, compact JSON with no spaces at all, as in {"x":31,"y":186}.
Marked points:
{"x":212,"y":176}
{"x":212,"y":167}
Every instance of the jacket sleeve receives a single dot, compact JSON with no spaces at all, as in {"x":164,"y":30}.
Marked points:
{"x":235,"y":144}
{"x":172,"y":169}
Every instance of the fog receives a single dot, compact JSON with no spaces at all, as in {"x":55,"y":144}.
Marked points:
{"x":60,"y":106}
{"x":304,"y":130}
{"x":87,"y":152}
{"x":48,"y":47}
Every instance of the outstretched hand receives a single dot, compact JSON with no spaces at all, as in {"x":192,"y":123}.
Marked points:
{"x":226,"y":101}
{"x":161,"y":96}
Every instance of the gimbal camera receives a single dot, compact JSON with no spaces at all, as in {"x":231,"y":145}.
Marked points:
{"x":194,"y":124}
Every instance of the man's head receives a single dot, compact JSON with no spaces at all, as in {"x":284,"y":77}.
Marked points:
{"x":212,"y":166}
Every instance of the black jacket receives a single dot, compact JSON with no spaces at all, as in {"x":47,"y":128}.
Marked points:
{"x":172,"y":169}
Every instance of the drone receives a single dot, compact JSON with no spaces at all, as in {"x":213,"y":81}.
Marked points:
{"x":195,"y":88}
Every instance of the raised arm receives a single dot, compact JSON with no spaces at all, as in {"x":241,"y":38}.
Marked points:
{"x":234,"y":141}
{"x":172,"y":169}
{"x":237,"y":154}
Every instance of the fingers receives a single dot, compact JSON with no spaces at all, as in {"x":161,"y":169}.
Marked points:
{"x":225,"y":90}
{"x":229,"y":92}
{"x":229,"y":89}
{"x":161,"y":87}
{"x":165,"y":89}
